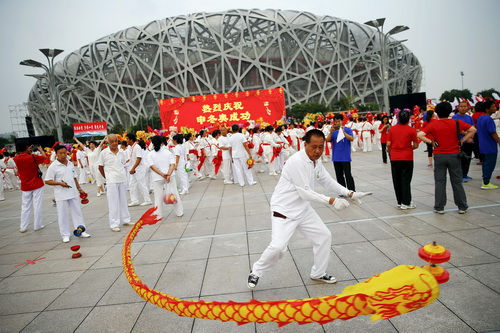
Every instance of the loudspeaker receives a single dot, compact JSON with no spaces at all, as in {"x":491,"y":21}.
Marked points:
{"x":29,"y":126}
{"x":43,"y":141}
{"x":407,"y":101}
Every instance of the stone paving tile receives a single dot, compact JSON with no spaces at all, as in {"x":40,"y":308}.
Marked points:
{"x":30,"y":301}
{"x":111,"y":318}
{"x":207,"y":254}
{"x":67,"y":321}
{"x":16,"y":322}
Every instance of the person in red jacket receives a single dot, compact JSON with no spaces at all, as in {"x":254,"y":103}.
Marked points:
{"x":446,"y":156}
{"x":401,"y":142}
{"x":31,"y":183}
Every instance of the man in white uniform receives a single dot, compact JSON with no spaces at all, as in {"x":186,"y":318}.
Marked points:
{"x":291,"y":209}
{"x":137,"y":173}
{"x":61,"y":174}
{"x":111,"y":167}
{"x":240,"y":153}
{"x":226,"y":156}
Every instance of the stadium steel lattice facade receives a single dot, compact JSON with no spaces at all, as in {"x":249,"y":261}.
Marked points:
{"x":314,"y":58}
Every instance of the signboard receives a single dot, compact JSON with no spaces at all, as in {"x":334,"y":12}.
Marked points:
{"x":90,"y":129}
{"x":223,"y":109}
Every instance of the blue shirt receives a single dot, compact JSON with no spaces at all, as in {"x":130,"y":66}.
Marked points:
{"x":465,"y":118}
{"x":485,"y":127}
{"x":341,"y":151}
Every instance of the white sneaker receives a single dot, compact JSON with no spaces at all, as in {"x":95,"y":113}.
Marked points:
{"x":410,"y":206}
{"x":146,"y":203}
{"x":228,"y":183}
{"x":115,"y":229}
{"x":132,"y":204}
{"x":128,"y":223}
{"x":85,"y":235}
{"x":260,"y":171}
{"x":98,"y":194}
{"x":65,"y":239}
{"x":40,"y":228}
{"x":253,"y":183}
{"x":326,"y":278}
{"x":22,"y":231}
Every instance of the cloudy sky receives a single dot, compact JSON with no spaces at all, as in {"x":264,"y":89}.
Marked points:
{"x":447,"y":36}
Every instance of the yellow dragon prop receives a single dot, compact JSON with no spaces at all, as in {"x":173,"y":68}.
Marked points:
{"x":391,"y":293}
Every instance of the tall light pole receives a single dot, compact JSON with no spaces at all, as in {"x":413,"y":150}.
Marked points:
{"x":384,"y":54}
{"x":462,"y":74}
{"x":50,"y":54}
{"x":59,"y":95}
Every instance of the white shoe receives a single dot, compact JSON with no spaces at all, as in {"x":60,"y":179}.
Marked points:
{"x":228,"y":183}
{"x":132,"y":204}
{"x":40,"y":228}
{"x":98,"y":194}
{"x":65,"y":239}
{"x":22,"y":231}
{"x":84,"y":235}
{"x":260,"y":171}
{"x":128,"y":223}
{"x":273,"y":174}
{"x":146,"y":203}
{"x":115,"y":229}
{"x":253,"y":183}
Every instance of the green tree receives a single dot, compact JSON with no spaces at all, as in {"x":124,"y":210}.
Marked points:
{"x":450,"y":95}
{"x":3,"y":142}
{"x":488,"y":93}
{"x":300,"y":110}
{"x":344,"y":104}
{"x":67,"y":133}
{"x":374,"y":107}
{"x":116,"y":129}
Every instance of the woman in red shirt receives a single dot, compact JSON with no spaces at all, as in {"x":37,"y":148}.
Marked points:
{"x":383,"y":129}
{"x":401,"y":142}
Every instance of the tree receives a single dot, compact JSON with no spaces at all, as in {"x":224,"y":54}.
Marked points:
{"x":450,"y":95}
{"x":300,"y":110}
{"x":369,"y":107}
{"x":67,"y":133}
{"x":345,"y":103}
{"x":488,"y":93}
{"x":116,"y":129}
{"x":3,"y":142}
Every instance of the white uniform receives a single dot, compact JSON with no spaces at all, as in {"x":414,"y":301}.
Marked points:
{"x":162,"y":160}
{"x":136,"y":180}
{"x":376,"y":137}
{"x":93,"y":157}
{"x":181,"y":173}
{"x":2,"y":169}
{"x":116,"y":181}
{"x":11,"y":181}
{"x":226,"y":160}
{"x":240,"y":157}
{"x":191,"y":148}
{"x":205,"y":147}
{"x":292,"y":199}
{"x":366,"y":134}
{"x":267,"y":145}
{"x":68,"y":201}
{"x":83,"y":166}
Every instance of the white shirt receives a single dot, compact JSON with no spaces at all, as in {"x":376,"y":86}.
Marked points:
{"x":237,"y":149}
{"x":82,"y":157}
{"x":114,"y":166}
{"x":162,"y":160}
{"x":136,"y":152}
{"x":93,"y":155}
{"x":179,"y":151}
{"x":295,"y":189}
{"x":62,"y":173}
{"x":224,"y":142}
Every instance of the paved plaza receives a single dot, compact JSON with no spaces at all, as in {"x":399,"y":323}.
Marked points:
{"x":207,"y":254}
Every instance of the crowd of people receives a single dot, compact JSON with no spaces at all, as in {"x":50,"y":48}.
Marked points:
{"x":128,"y":169}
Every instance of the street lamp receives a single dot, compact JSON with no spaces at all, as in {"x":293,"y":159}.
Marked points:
{"x":462,"y":74}
{"x":384,"y":53}
{"x":60,"y":93}
{"x":50,"y":54}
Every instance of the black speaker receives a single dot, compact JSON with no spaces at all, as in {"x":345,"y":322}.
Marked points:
{"x":29,"y":126}
{"x":409,"y":86}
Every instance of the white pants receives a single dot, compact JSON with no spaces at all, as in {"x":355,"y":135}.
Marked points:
{"x":96,"y":175}
{"x":241,"y":170}
{"x":117,"y":204}
{"x":376,"y":140}
{"x":270,"y":165}
{"x":137,"y":184}
{"x":11,"y":181}
{"x":158,"y":187}
{"x":82,"y":177}
{"x":183,"y":178}
{"x":367,"y":141}
{"x":308,"y":224}
{"x":208,"y":169}
{"x":2,"y":196}
{"x":64,"y":208}
{"x":227,"y":170}
{"x":31,"y":198}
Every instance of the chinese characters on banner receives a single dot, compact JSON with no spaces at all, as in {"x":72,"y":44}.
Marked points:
{"x":223,"y":109}
{"x":90,"y":129}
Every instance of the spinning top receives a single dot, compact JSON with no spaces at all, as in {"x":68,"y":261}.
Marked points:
{"x":84,"y":196}
{"x":435,"y":254}
{"x":75,"y":249}
{"x":250,"y":163}
{"x":79,"y":230}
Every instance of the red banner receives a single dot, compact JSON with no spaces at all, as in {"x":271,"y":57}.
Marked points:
{"x":223,"y":109}
{"x":90,"y":129}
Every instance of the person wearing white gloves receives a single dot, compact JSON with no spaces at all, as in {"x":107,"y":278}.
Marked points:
{"x":291,"y":209}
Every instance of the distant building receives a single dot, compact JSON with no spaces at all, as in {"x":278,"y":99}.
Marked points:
{"x":314,"y":58}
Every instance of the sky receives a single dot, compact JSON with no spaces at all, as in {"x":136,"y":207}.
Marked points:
{"x":447,"y":36}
